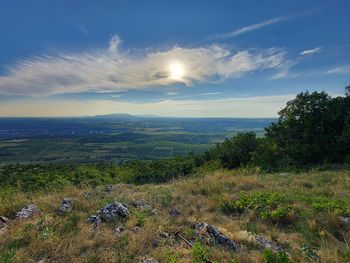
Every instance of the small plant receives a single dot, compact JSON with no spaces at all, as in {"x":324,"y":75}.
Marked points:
{"x":71,"y":225}
{"x":279,"y":257}
{"x":325,"y":204}
{"x":200,"y":253}
{"x":172,"y":257}
{"x":140,"y":218}
{"x":269,"y":205}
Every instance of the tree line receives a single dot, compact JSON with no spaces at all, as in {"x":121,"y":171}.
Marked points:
{"x":312,"y":129}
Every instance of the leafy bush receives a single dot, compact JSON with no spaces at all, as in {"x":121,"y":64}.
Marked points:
{"x":269,"y":205}
{"x":200,"y":254}
{"x":237,"y":151}
{"x":325,"y":204}
{"x":279,"y":257}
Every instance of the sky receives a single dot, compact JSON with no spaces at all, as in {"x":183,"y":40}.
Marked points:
{"x":169,"y":58}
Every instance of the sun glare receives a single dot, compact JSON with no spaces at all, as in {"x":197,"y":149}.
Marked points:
{"x":176,"y":71}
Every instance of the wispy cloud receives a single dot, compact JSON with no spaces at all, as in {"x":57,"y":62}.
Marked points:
{"x":114,"y":69}
{"x":311,"y":51}
{"x":196,"y":95}
{"x":260,"y":106}
{"x":253,"y":27}
{"x":339,"y":70}
{"x":172,"y":93}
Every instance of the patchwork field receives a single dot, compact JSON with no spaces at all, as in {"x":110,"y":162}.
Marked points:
{"x":85,"y":140}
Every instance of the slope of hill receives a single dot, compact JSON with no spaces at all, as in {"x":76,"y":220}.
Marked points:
{"x":252,"y":217}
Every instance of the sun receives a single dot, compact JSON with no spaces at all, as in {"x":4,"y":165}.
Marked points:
{"x":176,"y":71}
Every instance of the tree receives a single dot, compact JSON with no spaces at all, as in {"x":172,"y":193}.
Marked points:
{"x":311,"y":129}
{"x":347,"y":90}
{"x":237,"y":151}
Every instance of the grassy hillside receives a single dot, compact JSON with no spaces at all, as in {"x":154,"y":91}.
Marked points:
{"x":297,"y":212}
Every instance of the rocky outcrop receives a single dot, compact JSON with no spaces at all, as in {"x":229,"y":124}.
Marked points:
{"x":113,"y":210}
{"x":206,"y":229}
{"x":66,"y":205}
{"x":27,"y":212}
{"x":267,"y":244}
{"x":109,"y":213}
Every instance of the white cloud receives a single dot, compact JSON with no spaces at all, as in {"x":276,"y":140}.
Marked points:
{"x":253,"y":27}
{"x":311,"y":51}
{"x":172,"y":93}
{"x":339,"y":70}
{"x":260,"y":106}
{"x":113,"y":69}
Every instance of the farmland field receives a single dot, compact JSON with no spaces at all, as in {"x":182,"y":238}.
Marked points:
{"x":113,"y":138}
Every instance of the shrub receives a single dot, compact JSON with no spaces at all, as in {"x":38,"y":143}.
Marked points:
{"x":268,"y":205}
{"x":200,"y":253}
{"x":279,"y":257}
{"x":325,"y":204}
{"x":237,"y":151}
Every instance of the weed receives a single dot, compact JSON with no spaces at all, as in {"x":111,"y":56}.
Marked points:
{"x":269,"y":205}
{"x":279,"y":257}
{"x":200,"y":253}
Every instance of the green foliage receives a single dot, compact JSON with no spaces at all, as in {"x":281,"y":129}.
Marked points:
{"x":200,"y":254}
{"x":36,"y":177}
{"x":6,"y":256}
{"x":161,"y":170}
{"x":325,"y":204}
{"x":279,"y":257}
{"x":312,"y":129}
{"x":70,"y":225}
{"x":237,"y":151}
{"x":271,"y":206}
{"x":140,"y":217}
{"x":172,"y":257}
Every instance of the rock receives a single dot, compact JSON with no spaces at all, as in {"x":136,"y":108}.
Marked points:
{"x":163,"y":234}
{"x":149,"y":260}
{"x":265,"y":243}
{"x":119,"y":229}
{"x":141,"y":204}
{"x":96,"y":220}
{"x":113,"y":210}
{"x":153,"y":212}
{"x":220,"y":238}
{"x":311,"y":253}
{"x":136,"y":229}
{"x":3,"y":225}
{"x":345,"y":220}
{"x":175,"y":212}
{"x":27,"y":212}
{"x":87,"y":194}
{"x":66,"y":205}
{"x":109,"y":188}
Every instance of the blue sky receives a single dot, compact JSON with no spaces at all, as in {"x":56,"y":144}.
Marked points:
{"x":169,"y":58}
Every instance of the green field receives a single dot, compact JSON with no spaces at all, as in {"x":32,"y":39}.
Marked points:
{"x":68,"y":150}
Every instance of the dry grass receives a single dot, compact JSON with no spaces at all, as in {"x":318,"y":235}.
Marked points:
{"x":69,"y":238}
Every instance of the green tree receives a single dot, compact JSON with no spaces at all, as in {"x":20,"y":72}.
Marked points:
{"x":237,"y":151}
{"x":312,"y":128}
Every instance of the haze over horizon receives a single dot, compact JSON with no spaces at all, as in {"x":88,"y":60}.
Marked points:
{"x":166,"y":58}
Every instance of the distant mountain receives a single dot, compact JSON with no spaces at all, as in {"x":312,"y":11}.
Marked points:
{"x":124,"y":116}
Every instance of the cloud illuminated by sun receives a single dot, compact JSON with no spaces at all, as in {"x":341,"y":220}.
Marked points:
{"x":176,"y":71}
